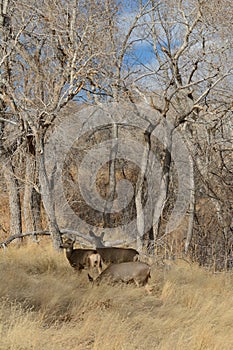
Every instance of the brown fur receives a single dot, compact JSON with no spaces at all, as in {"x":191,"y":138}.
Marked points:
{"x":81,"y":258}
{"x":115,"y":255}
{"x":126,"y":272}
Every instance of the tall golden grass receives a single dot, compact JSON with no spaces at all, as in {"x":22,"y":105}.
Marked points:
{"x":45,"y":305}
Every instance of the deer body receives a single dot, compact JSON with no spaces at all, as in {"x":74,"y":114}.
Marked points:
{"x":126,"y":272}
{"x":117,"y":255}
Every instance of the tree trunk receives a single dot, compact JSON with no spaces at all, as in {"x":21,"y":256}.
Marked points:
{"x":47,"y":194}
{"x":138,"y":199}
{"x":36,"y":210}
{"x":28,"y":188}
{"x":191,"y":207}
{"x":161,"y":201}
{"x":112,"y":177}
{"x":32,"y":199}
{"x":139,"y":188}
{"x":14,"y":199}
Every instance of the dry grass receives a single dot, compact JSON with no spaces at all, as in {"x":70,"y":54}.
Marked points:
{"x":45,"y":305}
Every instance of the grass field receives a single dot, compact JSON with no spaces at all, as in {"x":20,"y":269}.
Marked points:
{"x":45,"y":305}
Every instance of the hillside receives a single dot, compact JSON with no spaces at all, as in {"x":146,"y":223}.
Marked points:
{"x":45,"y":305}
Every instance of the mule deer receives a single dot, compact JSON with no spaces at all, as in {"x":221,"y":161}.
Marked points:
{"x":81,"y":258}
{"x":117,"y":255}
{"x":126,"y":272}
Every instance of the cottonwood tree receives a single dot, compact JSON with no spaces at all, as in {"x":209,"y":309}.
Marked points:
{"x":7,"y":119}
{"x":194,"y":73}
{"x":55,"y":48}
{"x":171,"y":55}
{"x":185,"y":76}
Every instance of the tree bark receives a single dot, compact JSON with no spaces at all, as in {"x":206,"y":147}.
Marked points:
{"x":46,"y":186}
{"x":161,"y":201}
{"x":36,"y":210}
{"x":138,"y":199}
{"x":112,"y":176}
{"x":139,"y":188}
{"x":14,"y":199}
{"x":28,"y":188}
{"x":191,"y":207}
{"x":31,"y":199}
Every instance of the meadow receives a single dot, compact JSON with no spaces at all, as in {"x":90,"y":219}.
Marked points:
{"x":45,"y":305}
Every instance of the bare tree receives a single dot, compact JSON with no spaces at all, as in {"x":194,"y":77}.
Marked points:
{"x":185,"y":76}
{"x":173,"y":56}
{"x":56,"y":49}
{"x":6,"y":153}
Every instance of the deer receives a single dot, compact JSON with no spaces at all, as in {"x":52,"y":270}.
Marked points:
{"x":116,"y":255}
{"x":113,"y":255}
{"x":126,"y":272}
{"x":81,"y":258}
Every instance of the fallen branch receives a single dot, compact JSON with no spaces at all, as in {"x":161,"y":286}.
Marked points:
{"x":5,"y":243}
{"x":10,"y":239}
{"x":69,"y":233}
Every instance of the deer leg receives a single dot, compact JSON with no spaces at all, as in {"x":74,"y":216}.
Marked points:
{"x":148,"y":288}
